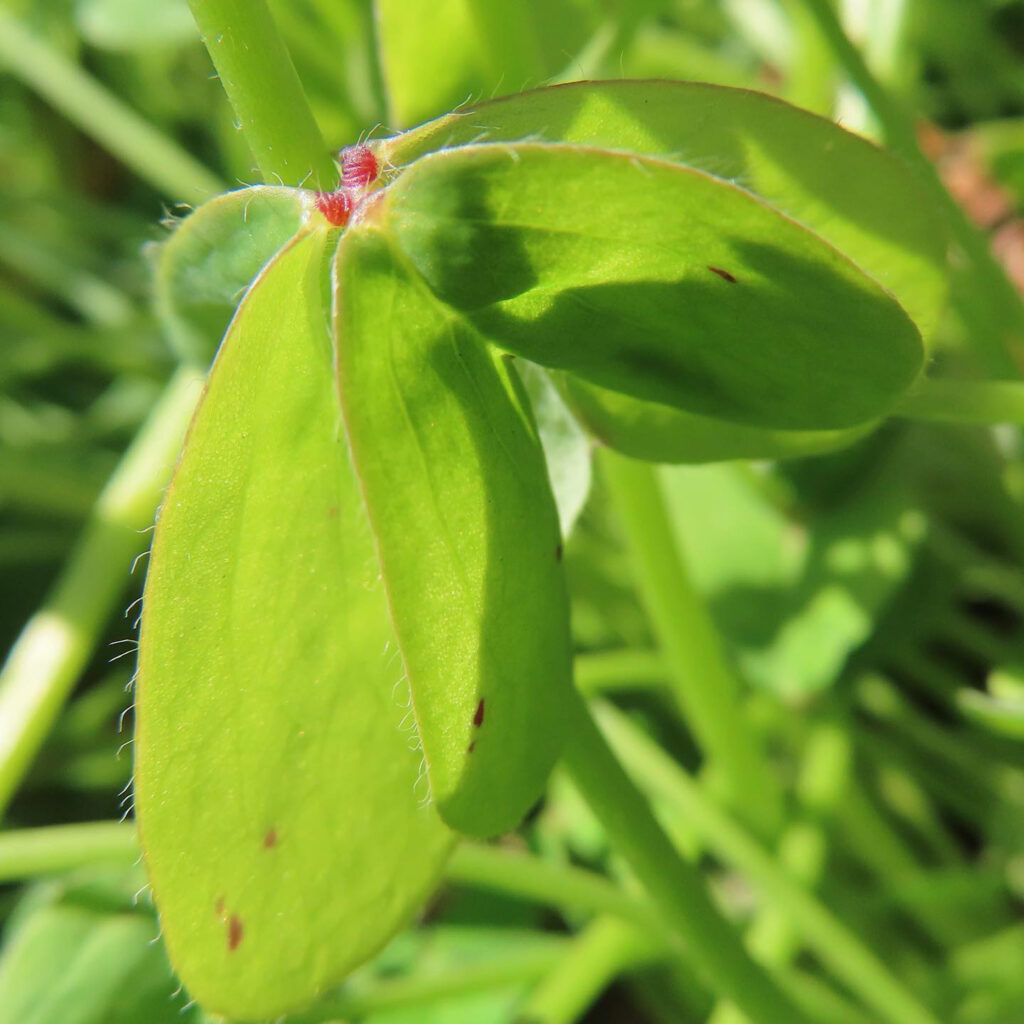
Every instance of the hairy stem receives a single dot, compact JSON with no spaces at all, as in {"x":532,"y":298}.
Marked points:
{"x":264,"y":90}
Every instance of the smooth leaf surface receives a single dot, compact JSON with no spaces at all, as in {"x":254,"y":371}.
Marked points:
{"x":205,"y":266}
{"x":458,"y":495}
{"x":283,"y":830}
{"x":654,"y":280}
{"x":853,"y":194}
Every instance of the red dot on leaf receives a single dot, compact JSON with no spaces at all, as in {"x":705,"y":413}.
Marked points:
{"x":478,"y":718}
{"x":234,"y":932}
{"x":723,"y":274}
{"x":270,"y":839}
{"x":358,"y":166}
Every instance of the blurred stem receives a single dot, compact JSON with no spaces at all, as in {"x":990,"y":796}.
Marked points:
{"x":899,"y":130}
{"x":604,"y":949}
{"x":31,"y":852}
{"x":965,"y":401}
{"x":102,"y":116}
{"x":836,"y":946}
{"x":527,"y":877}
{"x":265,"y":92}
{"x":58,"y":640}
{"x":674,"y":886}
{"x":627,"y":668}
{"x":803,"y":851}
{"x":702,"y":680}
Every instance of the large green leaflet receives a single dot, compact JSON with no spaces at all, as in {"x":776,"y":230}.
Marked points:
{"x":848,"y":191}
{"x":854,"y":195}
{"x":284,"y":832}
{"x":468,"y":535}
{"x":655,"y":280}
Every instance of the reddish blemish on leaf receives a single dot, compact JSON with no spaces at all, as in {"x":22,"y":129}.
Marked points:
{"x":358,"y":166}
{"x":472,"y":747}
{"x":478,"y":718}
{"x":218,"y":907}
{"x":234,"y":932}
{"x":335,"y":206}
{"x":723,"y":274}
{"x":270,"y":839}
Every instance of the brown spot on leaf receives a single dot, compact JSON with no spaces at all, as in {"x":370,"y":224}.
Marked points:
{"x":270,"y":839}
{"x":723,"y":274}
{"x":218,"y":907}
{"x":332,"y":512}
{"x":558,"y":553}
{"x":234,"y":932}
{"x":472,"y":747}
{"x":478,"y":718}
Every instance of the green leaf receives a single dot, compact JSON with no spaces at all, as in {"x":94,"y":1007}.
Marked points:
{"x":205,"y":266}
{"x":466,"y":527}
{"x":853,"y":194}
{"x":654,"y":280}
{"x":284,"y":834}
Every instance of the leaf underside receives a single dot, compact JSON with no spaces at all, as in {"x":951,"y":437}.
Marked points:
{"x":284,"y":831}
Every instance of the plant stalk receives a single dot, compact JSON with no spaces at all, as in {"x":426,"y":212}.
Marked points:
{"x":674,"y":886}
{"x":702,"y":680}
{"x":265,"y":93}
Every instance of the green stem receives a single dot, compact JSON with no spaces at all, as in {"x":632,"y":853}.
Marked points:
{"x":899,"y":130}
{"x":58,"y":640}
{"x":803,"y":850}
{"x":702,"y":679}
{"x":965,"y":401}
{"x":568,"y":888}
{"x":264,"y":90}
{"x":674,"y":886}
{"x":101,"y":115}
{"x":836,"y":946}
{"x":626,"y":668}
{"x":605,"y":949}
{"x":31,"y":852}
